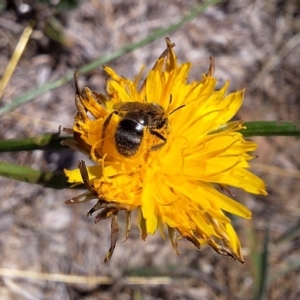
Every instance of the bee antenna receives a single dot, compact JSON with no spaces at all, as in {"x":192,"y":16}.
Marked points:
{"x":170,"y":99}
{"x":177,"y":108}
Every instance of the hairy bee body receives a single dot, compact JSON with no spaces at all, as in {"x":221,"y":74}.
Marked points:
{"x":135,"y":117}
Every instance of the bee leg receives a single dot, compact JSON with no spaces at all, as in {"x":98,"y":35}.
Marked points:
{"x":105,"y":125}
{"x":161,"y":137}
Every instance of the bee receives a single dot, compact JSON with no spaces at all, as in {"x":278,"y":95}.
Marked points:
{"x":134,"y":117}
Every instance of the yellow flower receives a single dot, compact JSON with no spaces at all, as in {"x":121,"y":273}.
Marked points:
{"x":166,"y":148}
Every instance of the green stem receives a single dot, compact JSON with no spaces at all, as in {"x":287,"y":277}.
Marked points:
{"x":26,"y":174}
{"x":47,"y":141}
{"x":30,"y":95}
{"x":271,"y":128}
{"x":51,"y":141}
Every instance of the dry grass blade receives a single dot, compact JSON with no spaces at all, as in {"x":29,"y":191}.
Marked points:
{"x":29,"y":96}
{"x":275,"y":59}
{"x":16,"y":56}
{"x":90,"y":280}
{"x":40,"y":233}
{"x":276,"y":170}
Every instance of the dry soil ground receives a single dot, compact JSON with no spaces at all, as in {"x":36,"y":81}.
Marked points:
{"x":256,"y":45}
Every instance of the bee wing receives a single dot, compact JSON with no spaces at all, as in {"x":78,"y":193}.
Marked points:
{"x":126,"y":106}
{"x":134,"y":106}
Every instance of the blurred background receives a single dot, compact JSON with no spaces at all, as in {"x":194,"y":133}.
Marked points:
{"x":256,"y":46}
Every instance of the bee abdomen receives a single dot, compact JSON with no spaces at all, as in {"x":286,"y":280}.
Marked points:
{"x":128,"y":137}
